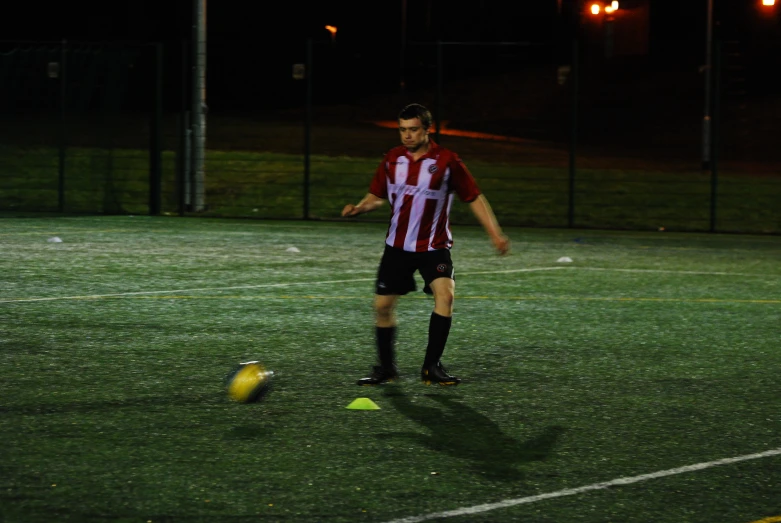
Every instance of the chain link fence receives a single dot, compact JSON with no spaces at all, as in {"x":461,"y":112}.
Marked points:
{"x":557,"y":137}
{"x":77,"y":128}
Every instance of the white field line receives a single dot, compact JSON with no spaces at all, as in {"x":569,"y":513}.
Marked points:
{"x":119,"y":294}
{"x":262,"y":286}
{"x":706,"y":273}
{"x":476,"y":509}
{"x":292,"y":284}
{"x":514,"y":270}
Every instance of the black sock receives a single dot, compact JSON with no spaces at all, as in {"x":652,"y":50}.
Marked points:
{"x":385,"y":352}
{"x":438,"y":330}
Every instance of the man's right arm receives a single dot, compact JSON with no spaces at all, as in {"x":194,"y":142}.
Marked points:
{"x":369,"y":203}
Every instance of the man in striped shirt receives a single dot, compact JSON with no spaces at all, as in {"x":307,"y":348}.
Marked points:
{"x":419,"y":179}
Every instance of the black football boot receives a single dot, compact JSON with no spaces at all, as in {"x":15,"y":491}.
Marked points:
{"x":380,"y":375}
{"x":437,"y":374}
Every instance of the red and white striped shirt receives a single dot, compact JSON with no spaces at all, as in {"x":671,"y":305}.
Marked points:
{"x":420,"y":193}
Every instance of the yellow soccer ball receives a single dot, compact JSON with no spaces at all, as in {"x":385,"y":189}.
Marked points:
{"x":249,"y":382}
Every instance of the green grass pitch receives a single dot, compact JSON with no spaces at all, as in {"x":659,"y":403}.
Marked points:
{"x":652,"y":358}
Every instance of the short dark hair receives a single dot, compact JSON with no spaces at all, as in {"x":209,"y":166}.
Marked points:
{"x":417,"y":111}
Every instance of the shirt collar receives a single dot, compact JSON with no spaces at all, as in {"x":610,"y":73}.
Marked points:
{"x":433,"y":151}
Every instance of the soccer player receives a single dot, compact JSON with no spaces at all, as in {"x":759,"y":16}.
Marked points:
{"x":419,"y":179}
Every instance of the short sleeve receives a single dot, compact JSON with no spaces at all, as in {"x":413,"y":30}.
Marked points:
{"x":462,"y":181}
{"x":379,"y":184}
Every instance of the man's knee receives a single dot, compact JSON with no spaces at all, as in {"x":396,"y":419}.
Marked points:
{"x":444,"y":303}
{"x":447,"y":299}
{"x":384,"y":311}
{"x":444,"y":293}
{"x":384,"y":306}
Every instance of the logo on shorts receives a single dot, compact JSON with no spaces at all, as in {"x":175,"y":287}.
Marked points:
{"x":441,"y":267}
{"x":432,"y":169}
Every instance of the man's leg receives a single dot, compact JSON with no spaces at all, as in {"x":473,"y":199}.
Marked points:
{"x":385,"y":329}
{"x":385,"y":335}
{"x":443,"y":290}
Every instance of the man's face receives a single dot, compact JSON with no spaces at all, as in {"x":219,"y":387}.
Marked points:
{"x":413,"y":134}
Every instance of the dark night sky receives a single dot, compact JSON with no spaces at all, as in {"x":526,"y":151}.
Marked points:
{"x":282,"y":21}
{"x":367,"y":23}
{"x":269,"y":37}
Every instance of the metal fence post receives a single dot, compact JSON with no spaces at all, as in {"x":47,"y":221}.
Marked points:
{"x":198,"y":101}
{"x":63,"y":123}
{"x":308,"y":127}
{"x":573,"y":132}
{"x":715,"y":112}
{"x":440,"y":76}
{"x":184,"y":153}
{"x":155,"y":135}
{"x":186,"y":197}
{"x":706,"y":119}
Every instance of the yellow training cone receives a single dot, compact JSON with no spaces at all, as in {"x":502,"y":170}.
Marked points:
{"x":363,"y":404}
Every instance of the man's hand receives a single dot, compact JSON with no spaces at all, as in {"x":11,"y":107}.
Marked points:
{"x":350,"y":210}
{"x":502,"y":244}
{"x":368,"y":204}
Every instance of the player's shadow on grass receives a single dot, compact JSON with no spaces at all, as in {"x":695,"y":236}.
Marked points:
{"x":464,"y":433}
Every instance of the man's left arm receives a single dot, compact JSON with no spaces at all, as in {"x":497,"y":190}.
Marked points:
{"x":465,"y":186}
{"x":485,"y":215}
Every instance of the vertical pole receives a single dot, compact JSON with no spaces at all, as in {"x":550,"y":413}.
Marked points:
{"x":609,"y":35}
{"x":706,"y":120}
{"x":573,"y":132}
{"x":308,"y":127}
{"x":179,"y":163}
{"x":402,"y":82}
{"x":155,"y":135}
{"x":63,"y":123}
{"x":714,"y":174}
{"x":440,"y":76}
{"x":187,"y":168}
{"x":199,"y":104}
{"x":183,"y":149}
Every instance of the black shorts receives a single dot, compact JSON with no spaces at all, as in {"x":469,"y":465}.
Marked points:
{"x":396,"y":274}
